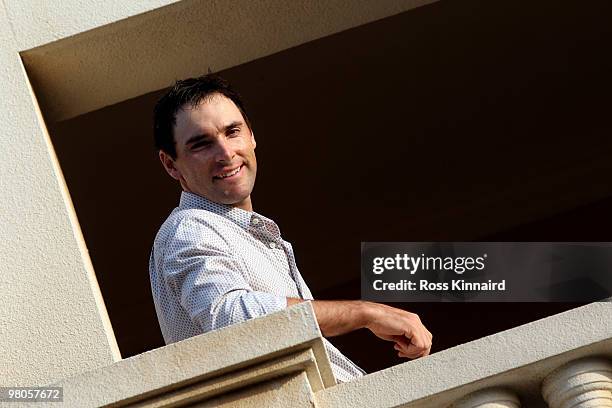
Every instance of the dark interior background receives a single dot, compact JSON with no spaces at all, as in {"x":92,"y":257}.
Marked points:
{"x":458,"y":121}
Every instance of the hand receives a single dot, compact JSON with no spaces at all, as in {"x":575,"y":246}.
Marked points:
{"x":412,"y":339}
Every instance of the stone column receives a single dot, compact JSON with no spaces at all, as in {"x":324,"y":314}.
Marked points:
{"x":489,"y":398}
{"x":582,"y":383}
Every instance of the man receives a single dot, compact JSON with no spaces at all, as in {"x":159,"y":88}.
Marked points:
{"x":215,"y":261}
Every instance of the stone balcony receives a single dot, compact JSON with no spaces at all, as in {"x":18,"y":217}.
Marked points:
{"x":279,"y":360}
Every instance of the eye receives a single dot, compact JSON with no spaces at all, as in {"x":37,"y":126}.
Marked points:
{"x":200,"y":145}
{"x":235,"y":131}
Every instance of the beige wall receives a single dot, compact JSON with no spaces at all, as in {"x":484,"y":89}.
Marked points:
{"x":52,"y":318}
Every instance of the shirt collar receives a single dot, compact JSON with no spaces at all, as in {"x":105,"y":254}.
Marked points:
{"x":238,"y":215}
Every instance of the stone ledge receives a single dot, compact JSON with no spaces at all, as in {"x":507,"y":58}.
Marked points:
{"x":256,"y":350}
{"x":302,"y":361}
{"x":518,"y":359}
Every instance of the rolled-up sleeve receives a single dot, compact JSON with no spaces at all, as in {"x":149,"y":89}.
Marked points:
{"x":209,"y":279}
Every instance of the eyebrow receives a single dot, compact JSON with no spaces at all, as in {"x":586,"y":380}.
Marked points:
{"x":199,"y":137}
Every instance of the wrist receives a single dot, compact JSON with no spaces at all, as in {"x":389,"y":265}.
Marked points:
{"x":366,"y":314}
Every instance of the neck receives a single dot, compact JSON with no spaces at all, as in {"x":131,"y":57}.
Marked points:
{"x":244,"y":204}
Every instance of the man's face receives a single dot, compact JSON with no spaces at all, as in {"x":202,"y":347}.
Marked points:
{"x":215,"y":152}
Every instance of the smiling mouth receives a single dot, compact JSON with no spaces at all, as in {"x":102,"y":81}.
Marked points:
{"x":229,"y":173}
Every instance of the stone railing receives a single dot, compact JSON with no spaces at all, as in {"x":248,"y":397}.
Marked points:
{"x":578,"y":384}
{"x":563,"y":361}
{"x":276,"y":360}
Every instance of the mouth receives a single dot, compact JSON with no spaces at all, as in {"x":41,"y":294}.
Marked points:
{"x":229,"y":174}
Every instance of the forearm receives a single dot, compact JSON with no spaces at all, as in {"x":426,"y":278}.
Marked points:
{"x":336,"y":317}
{"x":405,"y":329}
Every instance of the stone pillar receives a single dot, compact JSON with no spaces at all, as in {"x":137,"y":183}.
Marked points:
{"x":489,"y":398}
{"x":582,"y":383}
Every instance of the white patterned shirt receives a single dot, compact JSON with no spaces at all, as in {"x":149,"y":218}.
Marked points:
{"x":214,"y":265}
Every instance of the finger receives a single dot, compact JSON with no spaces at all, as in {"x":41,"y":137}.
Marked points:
{"x":429,"y":337}
{"x":417,"y":346}
{"x":411,"y":354}
{"x":412,"y":351}
{"x":420,"y":341}
{"x":428,"y":350}
{"x":420,"y":344}
{"x":403,"y":354}
{"x":402,"y":341}
{"x":404,"y":346}
{"x":400,"y":348}
{"x":406,"y":352}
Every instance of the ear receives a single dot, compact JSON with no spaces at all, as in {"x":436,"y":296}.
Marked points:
{"x":253,"y":140}
{"x":168,"y":163}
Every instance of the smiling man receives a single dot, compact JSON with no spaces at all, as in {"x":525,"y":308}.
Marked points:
{"x":215,"y":261}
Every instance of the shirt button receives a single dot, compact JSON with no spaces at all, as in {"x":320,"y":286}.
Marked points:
{"x":273,"y":245}
{"x":255,"y":221}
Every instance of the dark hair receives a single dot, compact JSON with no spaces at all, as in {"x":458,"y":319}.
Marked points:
{"x":188,"y":91}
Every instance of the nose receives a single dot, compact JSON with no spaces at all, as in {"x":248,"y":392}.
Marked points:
{"x":224,"y":151}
